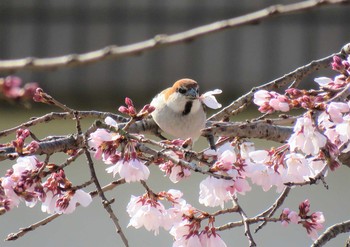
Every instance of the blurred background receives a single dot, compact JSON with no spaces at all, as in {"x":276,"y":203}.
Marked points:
{"x":234,"y":60}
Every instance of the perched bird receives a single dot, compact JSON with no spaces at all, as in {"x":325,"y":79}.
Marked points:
{"x":179,"y":110}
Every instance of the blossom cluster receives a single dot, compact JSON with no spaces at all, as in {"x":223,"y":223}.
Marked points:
{"x":11,"y":88}
{"x":311,"y":222}
{"x":107,"y":146}
{"x":24,"y":182}
{"x":180,"y":219}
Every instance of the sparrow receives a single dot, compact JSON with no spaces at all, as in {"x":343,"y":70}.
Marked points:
{"x":179,"y":110}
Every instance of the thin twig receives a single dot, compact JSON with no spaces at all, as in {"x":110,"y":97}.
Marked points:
{"x":105,"y":202}
{"x":247,"y":231}
{"x":272,"y":209}
{"x":23,"y":231}
{"x":162,"y":40}
{"x":62,"y":115}
{"x":254,"y":220}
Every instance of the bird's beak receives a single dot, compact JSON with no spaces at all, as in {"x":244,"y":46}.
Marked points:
{"x":192,"y":93}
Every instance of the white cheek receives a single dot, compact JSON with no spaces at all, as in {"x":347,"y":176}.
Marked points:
{"x":196,"y":106}
{"x":176,"y":102}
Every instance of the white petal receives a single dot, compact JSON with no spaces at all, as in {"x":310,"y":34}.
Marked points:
{"x":211,"y":102}
{"x":83,"y":198}
{"x":323,"y":81}
{"x":215,"y":91}
{"x":111,"y":121}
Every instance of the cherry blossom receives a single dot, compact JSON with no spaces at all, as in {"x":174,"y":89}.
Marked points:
{"x":289,"y":216}
{"x":186,"y":234}
{"x":334,"y":84}
{"x":298,"y":169}
{"x":209,"y":238}
{"x":67,"y":204}
{"x":131,"y":170}
{"x":147,"y":211}
{"x":215,"y":192}
{"x":306,"y":137}
{"x":271,"y":101}
{"x":312,"y":223}
{"x":11,"y":88}
{"x":262,"y":172}
{"x":20,"y":184}
{"x":175,"y":172}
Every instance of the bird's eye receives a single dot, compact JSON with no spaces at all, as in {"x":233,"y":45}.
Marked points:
{"x":182,"y":90}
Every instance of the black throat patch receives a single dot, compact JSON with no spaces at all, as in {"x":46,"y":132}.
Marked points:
{"x":188,"y":108}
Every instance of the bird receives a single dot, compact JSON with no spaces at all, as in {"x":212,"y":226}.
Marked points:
{"x":179,"y":110}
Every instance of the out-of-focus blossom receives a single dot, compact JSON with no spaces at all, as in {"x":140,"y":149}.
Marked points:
{"x":11,"y":88}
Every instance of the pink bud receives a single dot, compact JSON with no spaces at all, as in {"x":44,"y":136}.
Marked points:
{"x":29,"y":89}
{"x":132,"y":110}
{"x":13,"y":81}
{"x":337,"y":60}
{"x":32,"y":147}
{"x":128,"y":102}
{"x":38,"y":96}
{"x":145,"y":108}
{"x":123,"y":109}
{"x":25,"y":133}
{"x":151,"y":109}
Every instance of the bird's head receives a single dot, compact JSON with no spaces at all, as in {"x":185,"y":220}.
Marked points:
{"x":182,"y":95}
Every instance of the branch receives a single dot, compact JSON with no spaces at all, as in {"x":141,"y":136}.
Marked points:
{"x":162,"y":40}
{"x":62,"y":115}
{"x":332,"y":232}
{"x":261,"y":130}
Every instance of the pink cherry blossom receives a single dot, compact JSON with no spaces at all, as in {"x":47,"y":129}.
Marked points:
{"x":289,"y":216}
{"x":148,"y":216}
{"x":175,"y":172}
{"x":77,"y":197}
{"x":271,"y":101}
{"x":213,"y":192}
{"x":147,"y":211}
{"x":306,"y":137}
{"x":338,"y":82}
{"x":209,"y":99}
{"x":262,"y":173}
{"x":192,"y":241}
{"x":298,"y":169}
{"x":186,"y":234}
{"x":336,"y":111}
{"x":209,"y":238}
{"x":131,"y":170}
{"x":314,"y":224}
